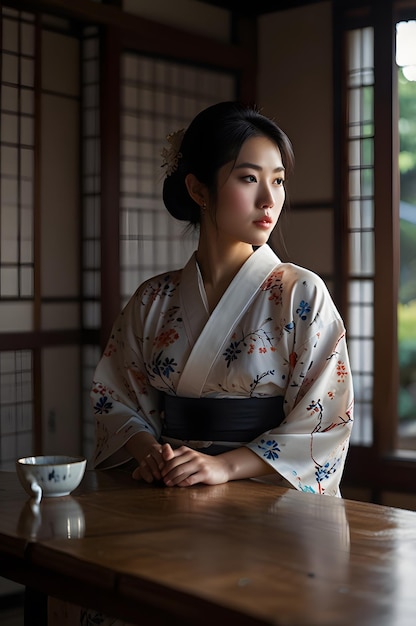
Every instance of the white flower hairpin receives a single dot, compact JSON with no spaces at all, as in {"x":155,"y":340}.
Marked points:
{"x":172,"y":154}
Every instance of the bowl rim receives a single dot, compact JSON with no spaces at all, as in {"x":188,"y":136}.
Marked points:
{"x":39,"y":460}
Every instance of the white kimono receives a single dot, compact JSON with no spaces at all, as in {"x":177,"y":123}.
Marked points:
{"x":275,"y":332}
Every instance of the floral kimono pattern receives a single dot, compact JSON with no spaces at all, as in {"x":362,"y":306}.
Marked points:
{"x":275,"y":332}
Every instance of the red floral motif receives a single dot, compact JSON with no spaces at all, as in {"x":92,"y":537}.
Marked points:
{"x":165,"y":287}
{"x":271,"y":281}
{"x":102,"y":390}
{"x":165,"y":338}
{"x":341,"y":371}
{"x":141,"y":381}
{"x":276,"y":296}
{"x":293,"y":357}
{"x":274,"y":284}
{"x":110,"y":349}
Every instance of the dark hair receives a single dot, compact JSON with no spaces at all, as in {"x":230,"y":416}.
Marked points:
{"x":214,"y":138}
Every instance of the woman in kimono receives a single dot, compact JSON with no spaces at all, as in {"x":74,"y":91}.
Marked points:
{"x":236,"y":365}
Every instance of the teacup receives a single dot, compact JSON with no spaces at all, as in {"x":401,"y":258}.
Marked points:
{"x":50,"y":476}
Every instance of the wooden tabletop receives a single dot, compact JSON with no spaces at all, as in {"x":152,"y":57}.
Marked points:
{"x":240,"y":553}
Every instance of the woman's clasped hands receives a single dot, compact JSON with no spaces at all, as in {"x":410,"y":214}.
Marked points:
{"x":181,"y":467}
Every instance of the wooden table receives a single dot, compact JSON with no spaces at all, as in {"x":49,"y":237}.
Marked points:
{"x":241,"y":553}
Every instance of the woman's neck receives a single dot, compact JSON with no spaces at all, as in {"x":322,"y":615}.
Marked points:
{"x":218,"y":265}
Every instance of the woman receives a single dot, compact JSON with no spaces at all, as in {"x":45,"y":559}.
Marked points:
{"x":235,"y":366}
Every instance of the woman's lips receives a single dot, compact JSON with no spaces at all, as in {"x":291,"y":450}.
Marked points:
{"x":265,"y":222}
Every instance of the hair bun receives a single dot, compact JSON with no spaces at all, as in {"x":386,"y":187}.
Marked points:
{"x":177,"y":199}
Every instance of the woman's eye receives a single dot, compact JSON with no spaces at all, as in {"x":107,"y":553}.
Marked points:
{"x":250,"y":178}
{"x":280,"y":181}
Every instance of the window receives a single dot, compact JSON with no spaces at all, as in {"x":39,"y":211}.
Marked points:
{"x":406,"y":315}
{"x":40,"y":298}
{"x":17,"y":150}
{"x":17,"y":144}
{"x":360,"y":224}
{"x":378,"y":200}
{"x":157,"y":97}
{"x":16,"y":405}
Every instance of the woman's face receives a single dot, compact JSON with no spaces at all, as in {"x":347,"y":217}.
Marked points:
{"x":250,"y":193}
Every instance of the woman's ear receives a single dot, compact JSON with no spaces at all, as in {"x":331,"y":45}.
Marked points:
{"x":196,"y":189}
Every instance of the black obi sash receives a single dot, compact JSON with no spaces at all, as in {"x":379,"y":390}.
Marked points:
{"x":220,"y":419}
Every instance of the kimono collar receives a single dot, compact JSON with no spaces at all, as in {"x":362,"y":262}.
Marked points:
{"x":208,"y":333}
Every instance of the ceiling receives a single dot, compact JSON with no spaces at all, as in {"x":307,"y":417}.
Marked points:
{"x":258,"y":7}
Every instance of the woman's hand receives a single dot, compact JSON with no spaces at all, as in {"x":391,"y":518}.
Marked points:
{"x":148,"y":453}
{"x":149,"y":467}
{"x":183,"y":467}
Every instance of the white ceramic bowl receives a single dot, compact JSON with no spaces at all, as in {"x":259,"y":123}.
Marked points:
{"x":50,"y":476}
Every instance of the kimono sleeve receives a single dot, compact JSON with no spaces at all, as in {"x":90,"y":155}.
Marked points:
{"x":309,"y":448}
{"x":123,"y":401}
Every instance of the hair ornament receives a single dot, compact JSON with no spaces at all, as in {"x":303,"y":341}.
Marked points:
{"x":172,"y":154}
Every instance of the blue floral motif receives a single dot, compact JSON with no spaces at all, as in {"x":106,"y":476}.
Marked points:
{"x":168,"y":367}
{"x":55,"y":477}
{"x":103,"y":406}
{"x":316,"y":406}
{"x":163,"y":368}
{"x":324,"y":471}
{"x":307,"y":489}
{"x":231,"y":352}
{"x":303,"y":310}
{"x":271,"y":449}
